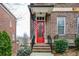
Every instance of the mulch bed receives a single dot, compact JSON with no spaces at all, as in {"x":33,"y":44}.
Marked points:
{"x":69,"y":52}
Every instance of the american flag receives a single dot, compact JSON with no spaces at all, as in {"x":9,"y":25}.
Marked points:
{"x":35,"y":25}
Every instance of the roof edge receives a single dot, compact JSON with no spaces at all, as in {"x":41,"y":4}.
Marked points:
{"x":7,"y":10}
{"x":32,"y":5}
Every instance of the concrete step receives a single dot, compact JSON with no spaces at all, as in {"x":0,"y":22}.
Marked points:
{"x":41,"y":45}
{"x":41,"y":48}
{"x":41,"y":54}
{"x":34,"y":50}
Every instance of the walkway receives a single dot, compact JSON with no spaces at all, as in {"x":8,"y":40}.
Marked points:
{"x":41,"y":54}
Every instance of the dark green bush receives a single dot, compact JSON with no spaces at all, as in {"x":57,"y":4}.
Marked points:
{"x":26,"y":51}
{"x":77,"y":42}
{"x":60,"y":45}
{"x":5,"y":44}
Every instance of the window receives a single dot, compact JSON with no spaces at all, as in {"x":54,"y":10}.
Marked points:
{"x":40,"y":18}
{"x":77,"y":25}
{"x":61,"y":25}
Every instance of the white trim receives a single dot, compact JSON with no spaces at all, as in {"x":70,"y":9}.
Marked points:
{"x":41,"y":9}
{"x":64,"y":25}
{"x":62,"y":9}
{"x":40,"y":15}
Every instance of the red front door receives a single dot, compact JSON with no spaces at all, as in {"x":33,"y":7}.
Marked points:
{"x":40,"y":32}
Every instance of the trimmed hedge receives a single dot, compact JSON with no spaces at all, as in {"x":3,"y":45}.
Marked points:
{"x":5,"y":44}
{"x":60,"y":45}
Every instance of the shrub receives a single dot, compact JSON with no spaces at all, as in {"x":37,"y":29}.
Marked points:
{"x":5,"y":44}
{"x":60,"y":45}
{"x":77,"y":42}
{"x":26,"y":51}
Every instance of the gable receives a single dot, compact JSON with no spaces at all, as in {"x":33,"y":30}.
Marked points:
{"x":5,"y":13}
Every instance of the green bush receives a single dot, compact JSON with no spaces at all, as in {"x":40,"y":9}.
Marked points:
{"x":26,"y":51}
{"x":5,"y":44}
{"x":77,"y":42}
{"x":60,"y":45}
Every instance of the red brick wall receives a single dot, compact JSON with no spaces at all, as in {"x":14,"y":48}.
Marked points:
{"x":5,"y":19}
{"x":70,"y":23}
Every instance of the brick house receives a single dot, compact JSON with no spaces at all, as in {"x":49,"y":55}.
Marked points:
{"x":8,"y":24}
{"x":54,"y":19}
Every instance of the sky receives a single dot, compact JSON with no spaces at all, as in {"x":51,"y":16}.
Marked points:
{"x":21,"y":12}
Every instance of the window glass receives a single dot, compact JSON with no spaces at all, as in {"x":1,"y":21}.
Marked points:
{"x":40,"y":18}
{"x":61,"y":21}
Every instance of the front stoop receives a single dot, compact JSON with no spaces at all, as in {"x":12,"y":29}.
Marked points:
{"x":41,"y":49}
